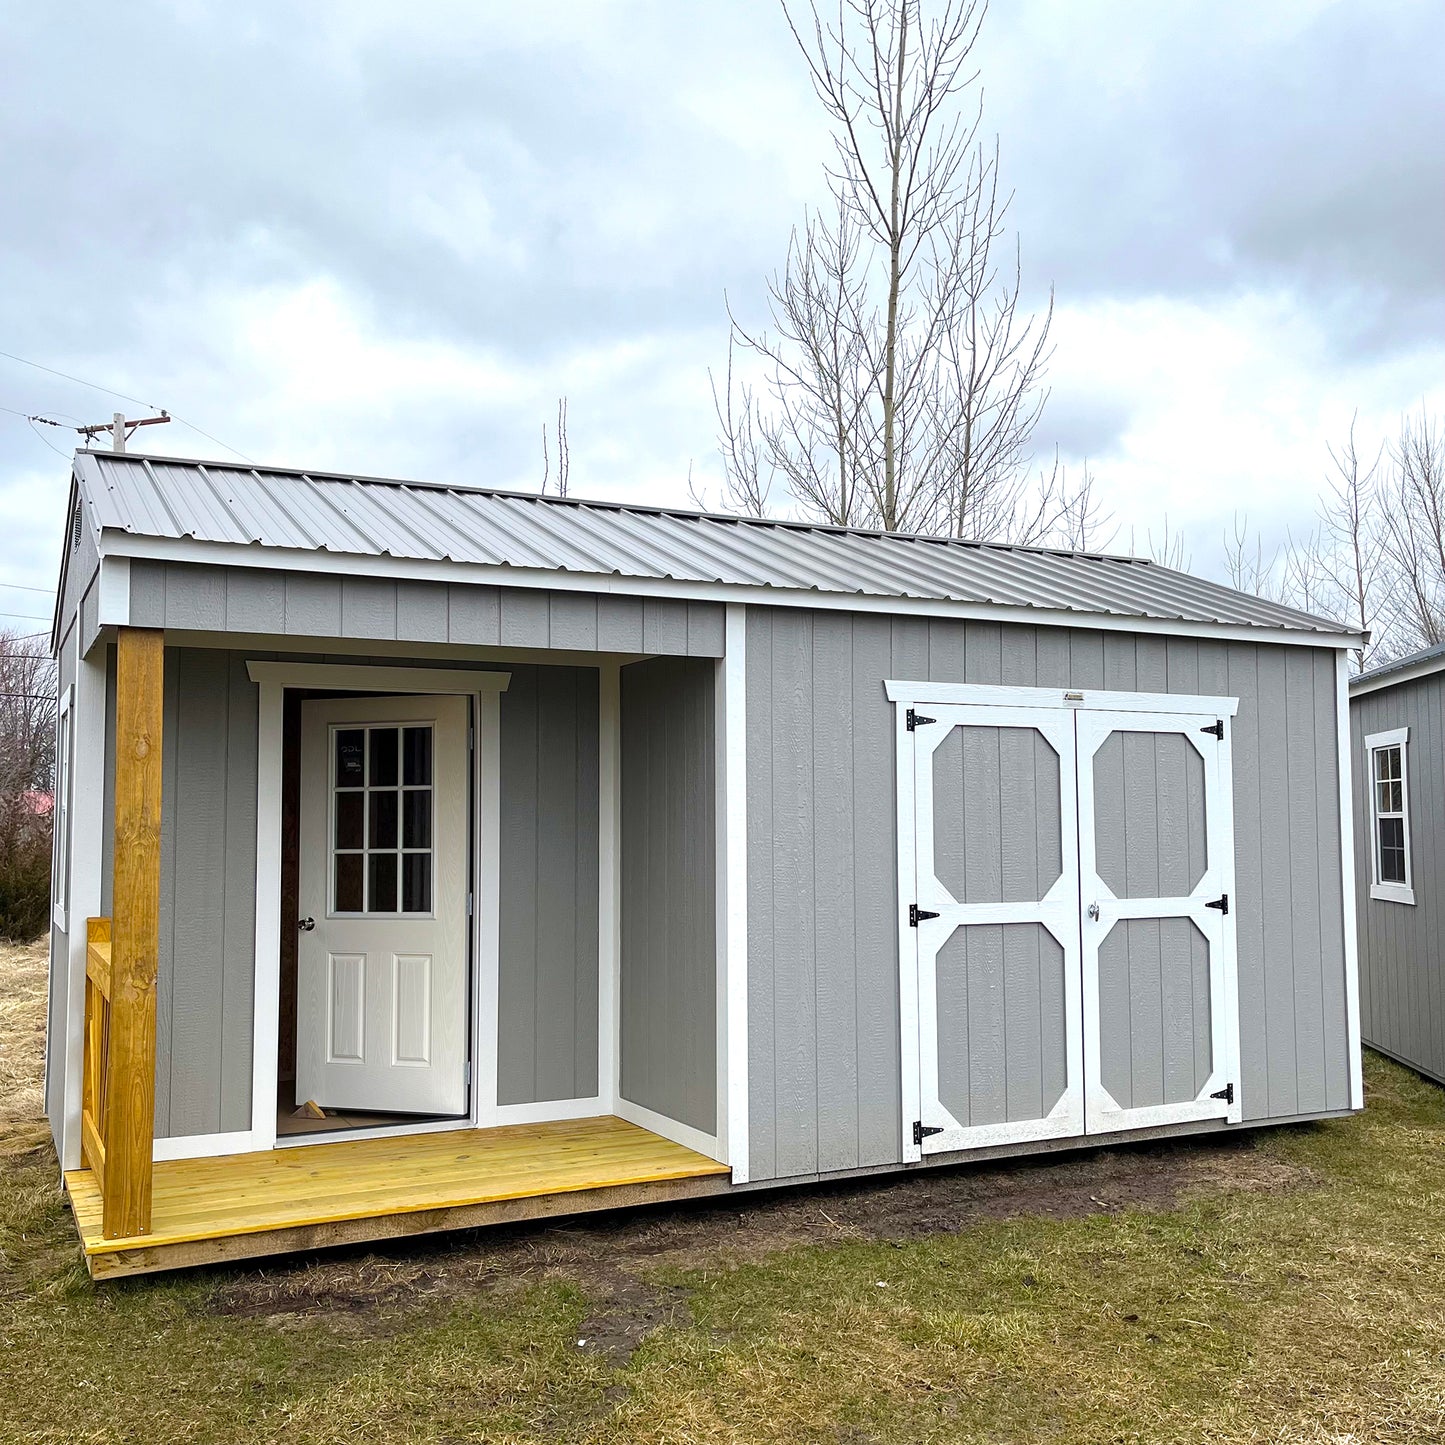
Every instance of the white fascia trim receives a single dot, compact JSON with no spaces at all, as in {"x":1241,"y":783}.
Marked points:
{"x":988,"y":695}
{"x":1348,"y":884}
{"x":287,"y":559}
{"x":344,"y":677}
{"x":732,"y":893}
{"x":673,"y":1129}
{"x":1426,"y":668}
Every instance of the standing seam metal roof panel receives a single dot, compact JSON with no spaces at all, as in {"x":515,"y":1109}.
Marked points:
{"x":364,"y":516}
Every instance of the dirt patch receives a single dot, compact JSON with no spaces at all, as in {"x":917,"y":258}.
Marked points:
{"x":24,"y":971}
{"x":609,"y":1257}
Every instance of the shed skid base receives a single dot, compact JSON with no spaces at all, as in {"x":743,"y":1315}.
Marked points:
{"x":242,"y":1206}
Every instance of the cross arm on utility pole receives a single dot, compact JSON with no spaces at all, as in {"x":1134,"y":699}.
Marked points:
{"x":120,"y":429}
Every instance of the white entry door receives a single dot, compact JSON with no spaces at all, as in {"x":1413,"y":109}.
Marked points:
{"x":1067,"y":873}
{"x":997,"y":918}
{"x":1156,"y":871}
{"x":382,"y":1002}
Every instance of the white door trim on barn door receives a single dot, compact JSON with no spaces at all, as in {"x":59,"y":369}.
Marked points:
{"x":1084,"y":1106}
{"x":1206,"y":905}
{"x":941,"y":916}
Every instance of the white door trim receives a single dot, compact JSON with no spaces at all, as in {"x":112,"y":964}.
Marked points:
{"x":1348,"y":878}
{"x":1057,"y":912}
{"x":1103,"y":1114}
{"x":988,"y":695}
{"x":906,"y":693}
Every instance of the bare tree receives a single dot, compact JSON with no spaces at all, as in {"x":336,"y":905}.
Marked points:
{"x":899,"y":382}
{"x":27,"y":770}
{"x":564,"y":453}
{"x":1412,"y":527}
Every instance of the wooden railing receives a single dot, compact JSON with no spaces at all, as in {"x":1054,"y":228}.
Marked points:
{"x":96,"y":1068}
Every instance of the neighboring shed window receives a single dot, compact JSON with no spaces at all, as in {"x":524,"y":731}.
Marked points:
{"x":1390,"y":815}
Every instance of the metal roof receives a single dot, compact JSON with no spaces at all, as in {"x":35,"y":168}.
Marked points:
{"x":275,"y":507}
{"x":1415,"y":664}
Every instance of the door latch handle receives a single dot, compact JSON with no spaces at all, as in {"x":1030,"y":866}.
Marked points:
{"x":306,"y":924}
{"x":1094,"y":912}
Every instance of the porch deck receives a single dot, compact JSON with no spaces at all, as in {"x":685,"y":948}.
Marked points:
{"x":209,"y":1211}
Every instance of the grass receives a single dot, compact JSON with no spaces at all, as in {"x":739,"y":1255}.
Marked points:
{"x":1287,"y":1286}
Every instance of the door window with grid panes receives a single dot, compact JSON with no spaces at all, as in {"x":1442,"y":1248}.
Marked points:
{"x":381,"y":823}
{"x":1390,"y":816}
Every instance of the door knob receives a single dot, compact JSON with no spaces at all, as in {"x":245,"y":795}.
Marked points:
{"x":1094,"y":912}
{"x":306,"y":924}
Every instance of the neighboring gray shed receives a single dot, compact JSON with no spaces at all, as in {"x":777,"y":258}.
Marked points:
{"x":800,"y":851}
{"x":1397,"y":727}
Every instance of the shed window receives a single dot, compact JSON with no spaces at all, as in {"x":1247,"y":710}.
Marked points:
{"x":1390,"y":816}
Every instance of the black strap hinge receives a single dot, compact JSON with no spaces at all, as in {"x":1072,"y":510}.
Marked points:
{"x":1216,"y":727}
{"x":916,"y":915}
{"x":1226,"y":1093}
{"x":922,"y":1131}
{"x":916,"y":720}
{"x":1221,"y":903}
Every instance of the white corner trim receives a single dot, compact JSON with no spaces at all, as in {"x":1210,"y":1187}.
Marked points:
{"x":1348,"y":884}
{"x":346,"y":677}
{"x":732,"y":893}
{"x":113,"y":601}
{"x":669,"y":1128}
{"x":1390,"y":892}
{"x":990,"y":695}
{"x":282,"y":559}
{"x":87,"y":826}
{"x":609,"y":882}
{"x":61,"y":802}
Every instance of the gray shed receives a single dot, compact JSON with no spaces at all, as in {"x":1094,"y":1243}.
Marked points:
{"x":1397,"y":723}
{"x":511,"y":855}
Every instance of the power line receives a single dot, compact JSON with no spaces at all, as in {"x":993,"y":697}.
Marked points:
{"x":25,"y":617}
{"x":29,"y":696}
{"x":24,"y":587}
{"x":66,"y":376}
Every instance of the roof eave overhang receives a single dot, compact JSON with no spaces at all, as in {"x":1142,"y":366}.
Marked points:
{"x":125,"y":546}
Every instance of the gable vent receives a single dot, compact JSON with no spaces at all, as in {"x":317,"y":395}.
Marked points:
{"x":75,"y":528}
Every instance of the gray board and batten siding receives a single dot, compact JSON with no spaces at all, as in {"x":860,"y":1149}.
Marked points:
{"x":190,"y":597}
{"x":1402,"y":946}
{"x":823,"y":1005}
{"x":668,"y":1002}
{"x":548,"y":902}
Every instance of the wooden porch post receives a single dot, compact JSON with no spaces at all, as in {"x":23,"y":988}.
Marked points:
{"x":135,"y":933}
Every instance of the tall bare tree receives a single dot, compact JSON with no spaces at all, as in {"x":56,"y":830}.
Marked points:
{"x":900,"y":380}
{"x":1412,"y":523}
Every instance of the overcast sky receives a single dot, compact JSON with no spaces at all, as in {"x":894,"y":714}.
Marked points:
{"x":386,"y":238}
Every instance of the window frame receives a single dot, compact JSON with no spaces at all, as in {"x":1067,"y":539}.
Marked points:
{"x":1389,"y":891}
{"x":60,"y":813}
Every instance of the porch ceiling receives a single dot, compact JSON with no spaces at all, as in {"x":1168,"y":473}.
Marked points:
{"x":308,"y":1196}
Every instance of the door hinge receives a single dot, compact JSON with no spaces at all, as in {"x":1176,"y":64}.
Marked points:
{"x":922,"y":1131}
{"x":1226,"y":1093}
{"x":916,"y":915}
{"x":1221,"y":903}
{"x":916,"y":720}
{"x":1216,"y":727}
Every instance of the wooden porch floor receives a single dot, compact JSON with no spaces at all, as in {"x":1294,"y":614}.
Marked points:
{"x":207,"y":1211}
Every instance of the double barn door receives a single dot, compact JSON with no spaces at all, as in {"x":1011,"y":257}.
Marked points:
{"x":1067,"y":892}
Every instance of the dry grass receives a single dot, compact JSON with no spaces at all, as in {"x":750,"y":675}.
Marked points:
{"x":1283,"y":1287}
{"x":23,"y":970}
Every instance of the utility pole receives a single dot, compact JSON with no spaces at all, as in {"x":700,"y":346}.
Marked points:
{"x":120,"y":429}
